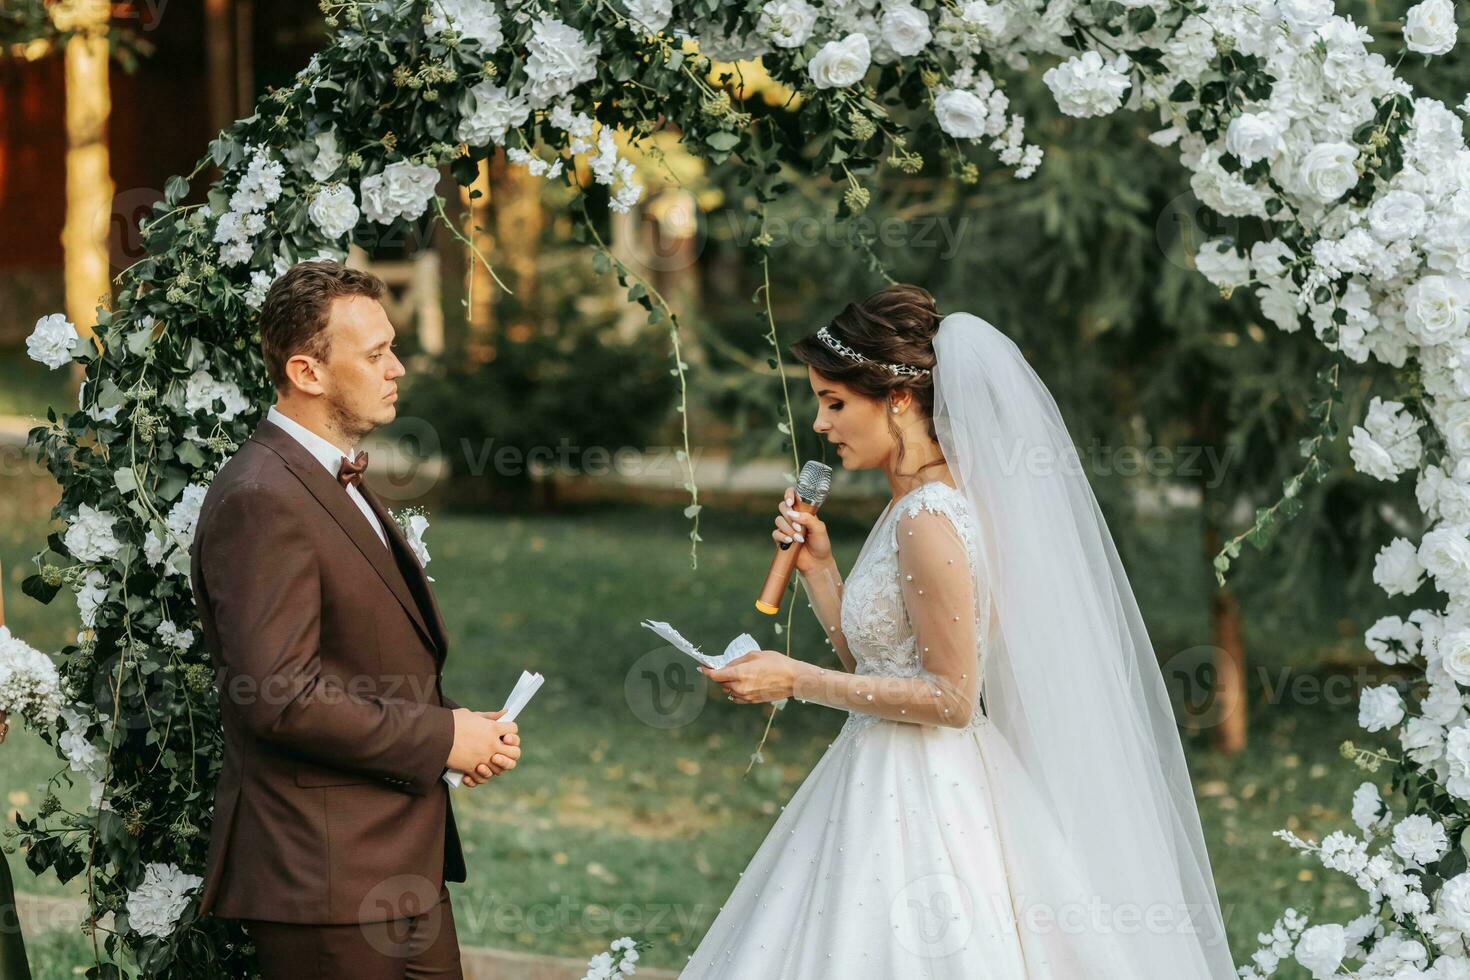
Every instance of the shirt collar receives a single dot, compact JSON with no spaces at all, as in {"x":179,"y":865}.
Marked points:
{"x":323,"y":449}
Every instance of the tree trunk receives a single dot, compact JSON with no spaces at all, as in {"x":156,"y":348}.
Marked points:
{"x":479,"y":338}
{"x":1226,"y":629}
{"x":89,"y":189}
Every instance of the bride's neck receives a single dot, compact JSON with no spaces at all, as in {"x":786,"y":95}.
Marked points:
{"x":923,"y":462}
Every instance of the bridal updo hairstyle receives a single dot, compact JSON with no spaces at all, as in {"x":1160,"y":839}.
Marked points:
{"x":895,"y":325}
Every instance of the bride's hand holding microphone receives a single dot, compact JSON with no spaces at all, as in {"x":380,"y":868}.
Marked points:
{"x":769,"y":675}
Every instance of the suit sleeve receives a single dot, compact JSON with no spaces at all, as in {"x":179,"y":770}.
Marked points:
{"x":263,"y":583}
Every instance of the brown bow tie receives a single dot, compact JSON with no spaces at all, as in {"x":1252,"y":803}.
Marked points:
{"x":351,"y":471}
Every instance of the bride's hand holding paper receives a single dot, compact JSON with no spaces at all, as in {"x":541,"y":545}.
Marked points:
{"x":758,"y":677}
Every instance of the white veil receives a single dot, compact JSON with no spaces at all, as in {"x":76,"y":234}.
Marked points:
{"x":1071,"y":680}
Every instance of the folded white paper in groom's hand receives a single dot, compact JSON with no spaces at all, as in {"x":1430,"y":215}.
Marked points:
{"x":520,"y":695}
{"x":737,"y":648}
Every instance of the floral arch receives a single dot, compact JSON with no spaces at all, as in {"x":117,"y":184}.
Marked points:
{"x":1276,"y":107}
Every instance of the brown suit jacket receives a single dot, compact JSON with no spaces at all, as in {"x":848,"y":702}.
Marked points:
{"x":328,"y":650}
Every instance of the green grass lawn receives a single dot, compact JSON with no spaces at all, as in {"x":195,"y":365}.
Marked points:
{"x":27,"y":388}
{"x":612,"y":825}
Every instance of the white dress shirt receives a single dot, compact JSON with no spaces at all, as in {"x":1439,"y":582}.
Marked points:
{"x":330,"y":457}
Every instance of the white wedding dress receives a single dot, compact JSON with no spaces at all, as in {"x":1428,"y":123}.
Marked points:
{"x":910,"y":849}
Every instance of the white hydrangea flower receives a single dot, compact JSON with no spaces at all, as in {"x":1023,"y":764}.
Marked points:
{"x":1454,"y":902}
{"x":334,"y":211}
{"x":53,"y":341}
{"x":560,"y":59}
{"x":1304,"y":16}
{"x":175,"y":637}
{"x":476,"y":20}
{"x":1429,"y":27}
{"x":89,"y":536}
{"x":1321,"y":949}
{"x":202,"y":390}
{"x":496,"y":110}
{"x":260,"y":284}
{"x":1387,"y":443}
{"x":1086,"y":85}
{"x":29,"y":684}
{"x":91,"y":593}
{"x":1457,"y":760}
{"x":841,"y":63}
{"x":1380,"y":708}
{"x":155,"y":905}
{"x":402,"y":190}
{"x":650,"y":15}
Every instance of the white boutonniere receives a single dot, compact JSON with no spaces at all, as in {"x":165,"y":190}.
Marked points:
{"x":413,"y":522}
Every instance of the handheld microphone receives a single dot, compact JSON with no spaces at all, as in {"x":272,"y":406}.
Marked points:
{"x":811,"y":490}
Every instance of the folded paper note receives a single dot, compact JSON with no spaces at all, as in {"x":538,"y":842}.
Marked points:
{"x":737,"y":648}
{"x":528,"y":685}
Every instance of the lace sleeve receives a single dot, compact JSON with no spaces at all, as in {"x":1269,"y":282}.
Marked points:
{"x":824,"y":587}
{"x":939,"y":600}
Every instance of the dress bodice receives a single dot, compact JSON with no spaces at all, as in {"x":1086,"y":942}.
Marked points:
{"x":875,"y":621}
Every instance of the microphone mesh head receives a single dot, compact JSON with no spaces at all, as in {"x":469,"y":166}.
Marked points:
{"x":815,"y":482}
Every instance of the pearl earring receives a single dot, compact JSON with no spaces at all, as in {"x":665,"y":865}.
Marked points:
{"x":895,"y":408}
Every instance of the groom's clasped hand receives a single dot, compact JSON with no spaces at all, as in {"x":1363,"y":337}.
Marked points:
{"x":484,"y":746}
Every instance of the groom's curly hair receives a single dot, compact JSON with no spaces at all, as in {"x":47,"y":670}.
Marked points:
{"x":293,"y":319}
{"x":895,"y":325}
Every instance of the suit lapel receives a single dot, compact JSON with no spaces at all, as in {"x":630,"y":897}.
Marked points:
{"x":413,"y":572}
{"x":333,"y":497}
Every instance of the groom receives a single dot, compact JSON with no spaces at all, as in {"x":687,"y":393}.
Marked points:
{"x":333,"y":834}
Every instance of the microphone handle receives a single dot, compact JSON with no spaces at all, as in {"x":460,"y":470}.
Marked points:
{"x":782,"y":564}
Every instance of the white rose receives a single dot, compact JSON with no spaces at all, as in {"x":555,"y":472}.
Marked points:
{"x":841,"y":63}
{"x":328,"y":156}
{"x":1219,"y":262}
{"x":1454,"y":902}
{"x":1321,"y":949}
{"x":961,"y":114}
{"x":1454,"y":654}
{"x":1419,"y":839}
{"x":1254,"y":136}
{"x":1304,"y":16}
{"x":1437,"y":309}
{"x":905,"y":29}
{"x":1445,"y":555}
{"x":89,"y":538}
{"x":651,"y":15}
{"x":334,"y":211}
{"x":1380,"y":708}
{"x":1087,"y":86}
{"x":1396,"y":216}
{"x":788,"y":23}
{"x":52,"y":341}
{"x":1429,"y":27}
{"x":1327,"y":172}
{"x":1397,"y":570}
{"x":402,"y":189}
{"x":496,"y":110}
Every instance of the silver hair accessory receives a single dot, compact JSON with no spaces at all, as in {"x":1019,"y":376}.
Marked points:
{"x":825,"y":336}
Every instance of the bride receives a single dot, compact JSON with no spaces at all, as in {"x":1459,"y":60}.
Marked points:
{"x":1008,"y":798}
